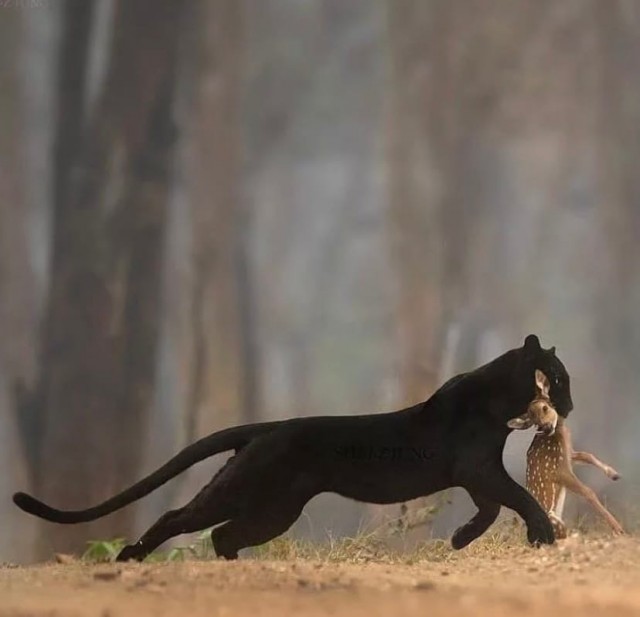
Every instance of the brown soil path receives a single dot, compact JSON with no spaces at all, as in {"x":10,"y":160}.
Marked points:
{"x":582,"y":577}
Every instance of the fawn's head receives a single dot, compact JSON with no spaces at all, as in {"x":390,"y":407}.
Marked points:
{"x":540,"y":412}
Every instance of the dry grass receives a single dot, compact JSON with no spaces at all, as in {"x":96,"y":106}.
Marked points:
{"x":386,"y":543}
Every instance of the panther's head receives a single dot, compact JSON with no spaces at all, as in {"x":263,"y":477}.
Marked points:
{"x":532,"y":357}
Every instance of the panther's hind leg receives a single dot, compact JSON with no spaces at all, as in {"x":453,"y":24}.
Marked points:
{"x":173,"y":523}
{"x":256,"y":526}
{"x":209,"y":507}
{"x":258,"y":494}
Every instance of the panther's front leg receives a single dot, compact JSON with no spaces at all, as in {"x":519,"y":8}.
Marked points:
{"x":485,"y":517}
{"x":494,"y":484}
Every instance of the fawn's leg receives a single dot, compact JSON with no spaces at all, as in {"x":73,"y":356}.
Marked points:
{"x":589,"y":459}
{"x":558,"y":508}
{"x":559,"y":528}
{"x":574,"y":484}
{"x":555,"y":513}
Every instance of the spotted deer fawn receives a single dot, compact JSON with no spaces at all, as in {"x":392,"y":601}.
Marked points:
{"x":550,"y":460}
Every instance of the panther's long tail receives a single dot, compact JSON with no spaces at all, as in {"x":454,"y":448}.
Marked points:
{"x":228,"y":439}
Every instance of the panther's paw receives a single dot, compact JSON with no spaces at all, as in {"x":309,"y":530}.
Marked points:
{"x":540,"y":532}
{"x":130,"y":553}
{"x":461,"y":538}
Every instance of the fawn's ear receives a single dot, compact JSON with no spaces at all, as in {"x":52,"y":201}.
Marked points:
{"x":542,"y":383}
{"x":521,"y":423}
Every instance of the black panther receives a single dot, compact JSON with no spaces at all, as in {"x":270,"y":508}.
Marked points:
{"x":455,"y":438}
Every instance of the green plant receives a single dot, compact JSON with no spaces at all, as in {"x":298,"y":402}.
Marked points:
{"x":100,"y":551}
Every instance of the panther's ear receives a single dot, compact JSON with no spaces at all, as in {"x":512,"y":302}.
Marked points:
{"x":552,"y":351}
{"x":532,"y":343}
{"x":521,"y":423}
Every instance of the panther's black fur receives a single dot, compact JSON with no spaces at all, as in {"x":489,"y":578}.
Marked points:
{"x":455,"y":438}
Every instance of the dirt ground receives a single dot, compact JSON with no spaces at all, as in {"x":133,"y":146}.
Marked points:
{"x":595,"y":576}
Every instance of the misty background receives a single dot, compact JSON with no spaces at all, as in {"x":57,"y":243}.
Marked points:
{"x":222,"y":211}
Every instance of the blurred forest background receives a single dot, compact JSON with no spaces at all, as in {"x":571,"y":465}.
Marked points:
{"x":222,"y":211}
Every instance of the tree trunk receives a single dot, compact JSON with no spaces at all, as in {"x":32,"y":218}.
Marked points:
{"x":18,"y":319}
{"x":112,"y":188}
{"x":223,"y":377}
